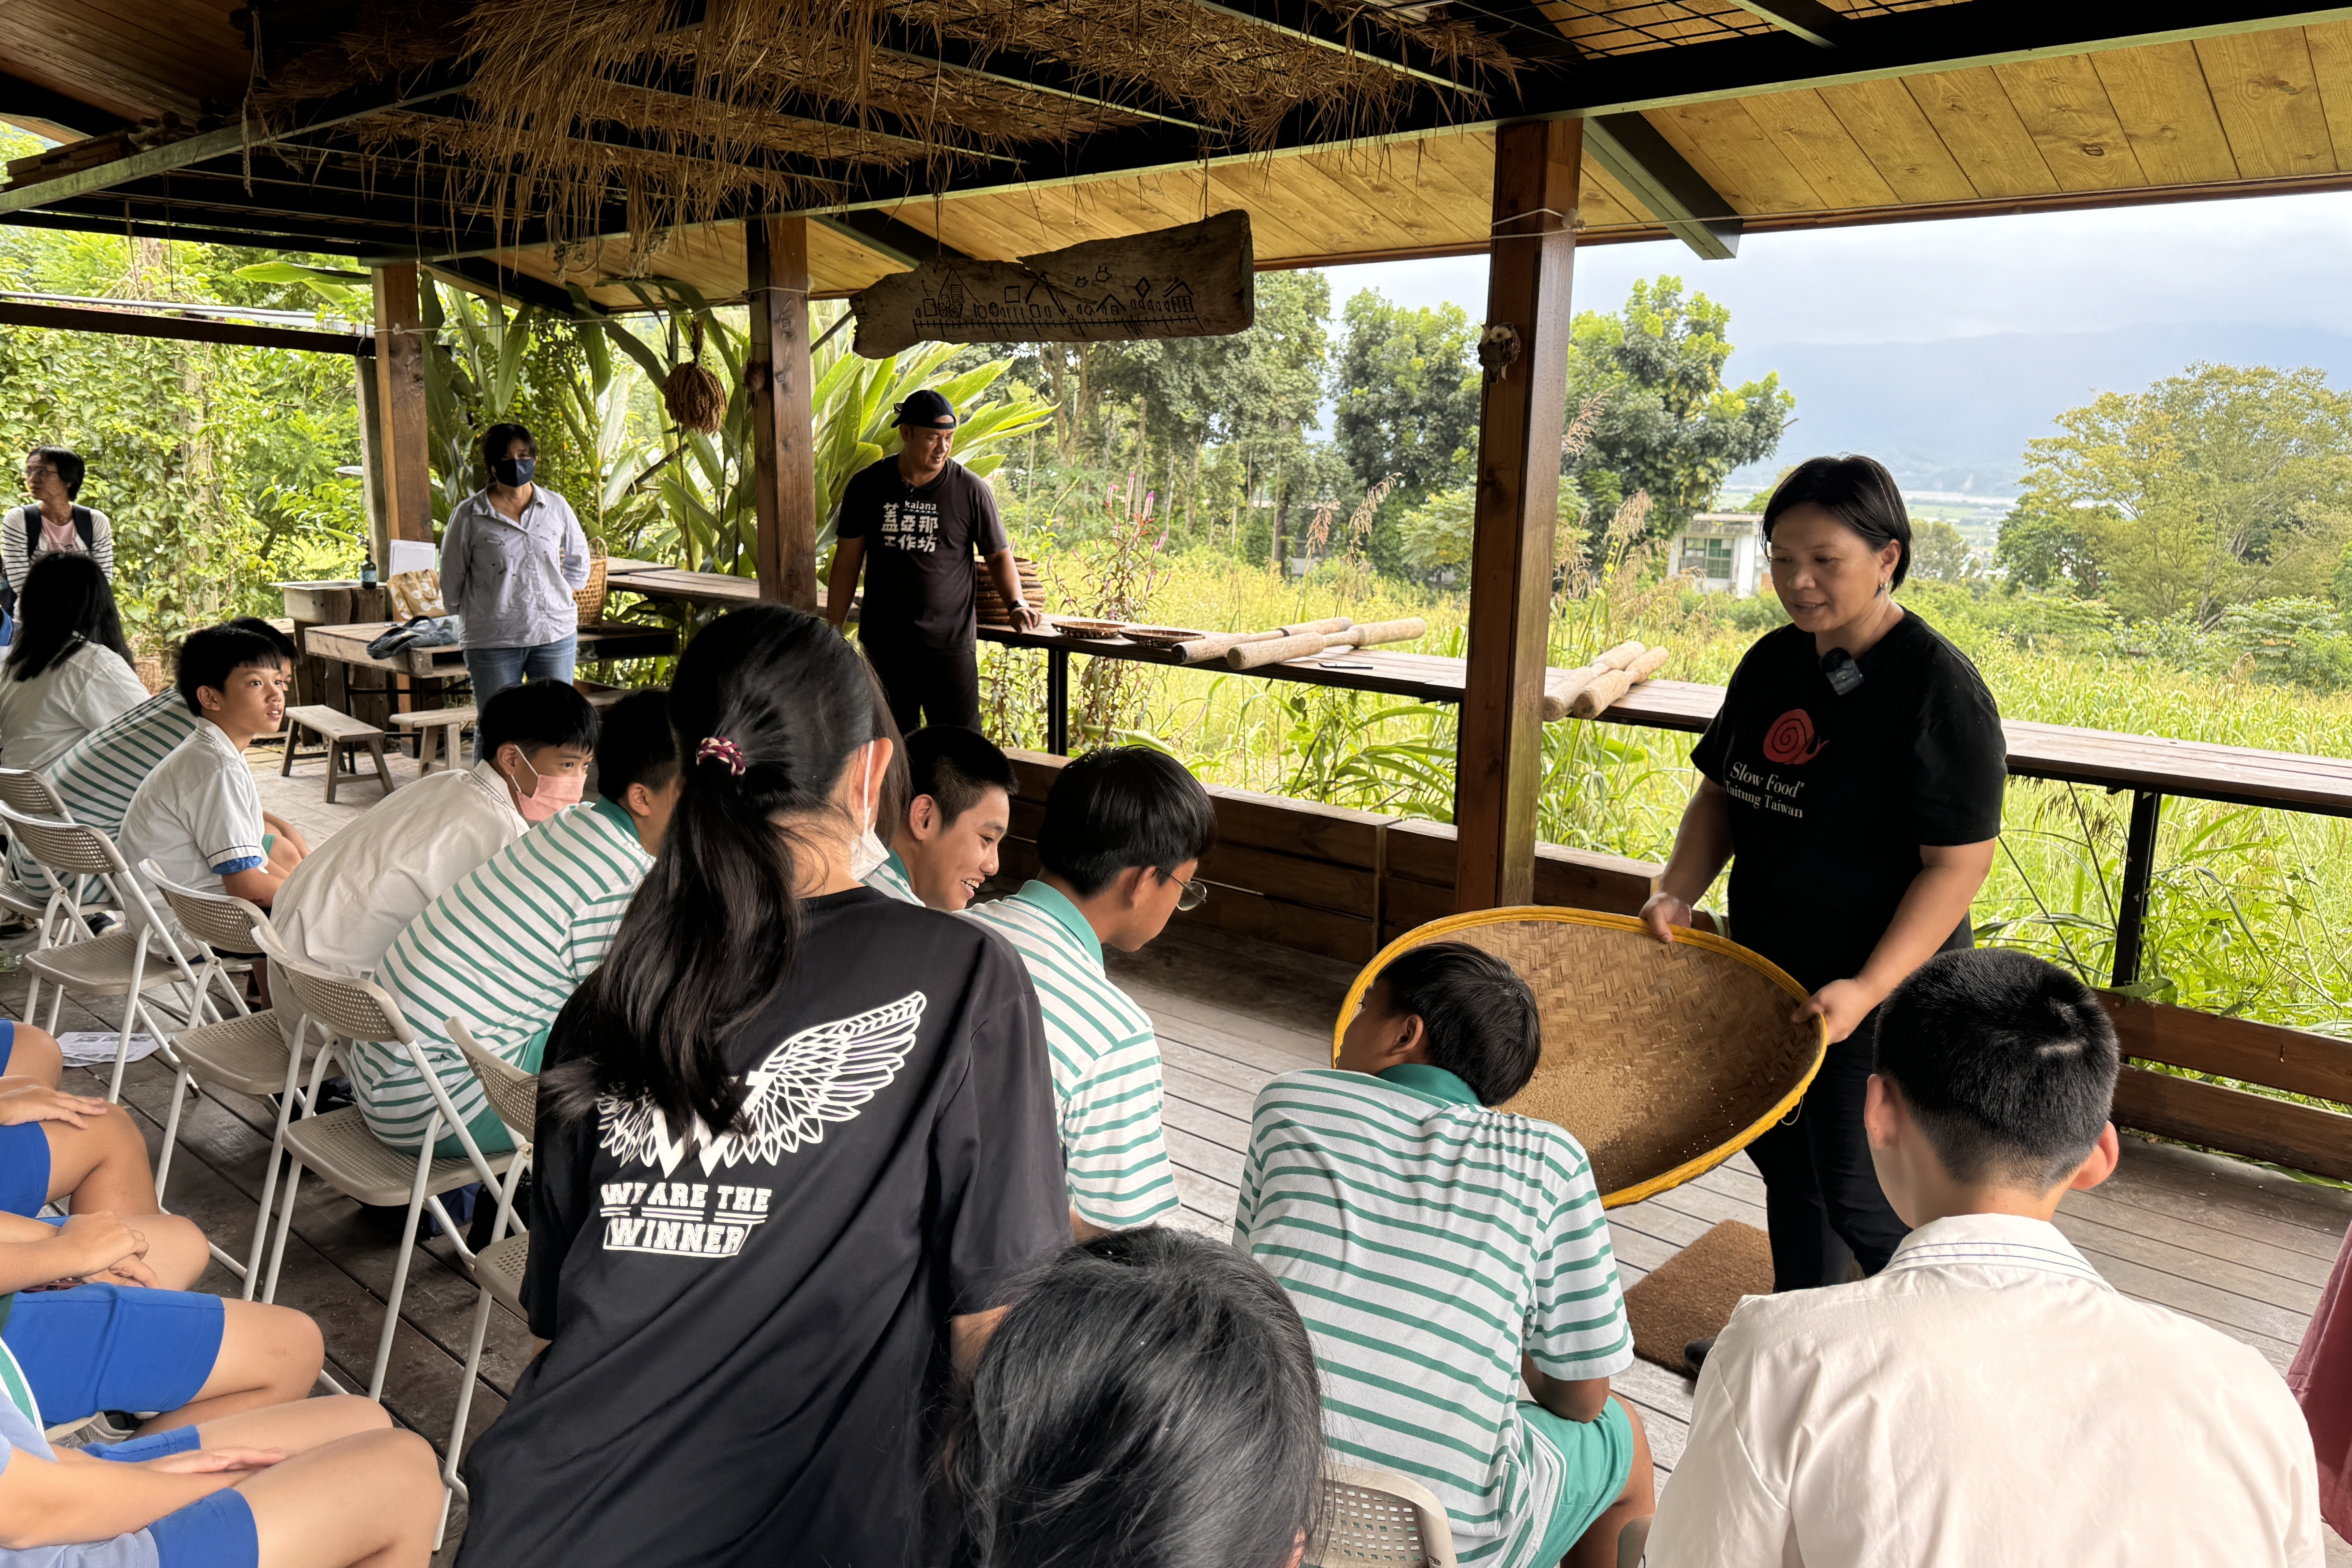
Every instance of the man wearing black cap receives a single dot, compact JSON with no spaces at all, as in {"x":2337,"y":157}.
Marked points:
{"x":920,"y":517}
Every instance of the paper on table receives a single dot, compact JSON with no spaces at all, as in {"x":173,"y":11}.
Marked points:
{"x":414,"y":556}
{"x":88,"y":1047}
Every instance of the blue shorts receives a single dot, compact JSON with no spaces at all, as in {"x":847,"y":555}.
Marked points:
{"x":113,"y":1347}
{"x":1596,"y":1460}
{"x":7,"y":1044}
{"x":212,"y":1532}
{"x":23,"y":1150}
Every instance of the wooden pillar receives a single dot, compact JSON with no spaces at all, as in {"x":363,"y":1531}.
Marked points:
{"x":403,"y":441}
{"x":1521,"y":417}
{"x":784,"y":435}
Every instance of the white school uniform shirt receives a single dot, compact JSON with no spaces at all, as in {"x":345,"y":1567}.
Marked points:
{"x":349,"y":898}
{"x":86,"y":686}
{"x":1987,"y":1401}
{"x":197,"y":816}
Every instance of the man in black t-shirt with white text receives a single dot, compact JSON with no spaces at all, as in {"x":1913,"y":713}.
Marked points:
{"x":913,"y":522}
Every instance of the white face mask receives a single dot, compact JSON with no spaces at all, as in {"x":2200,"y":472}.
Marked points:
{"x":869,"y":851}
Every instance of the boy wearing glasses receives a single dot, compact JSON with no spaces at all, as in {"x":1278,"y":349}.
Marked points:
{"x":1119,"y":852}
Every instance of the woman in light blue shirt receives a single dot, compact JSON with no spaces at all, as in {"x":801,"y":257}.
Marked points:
{"x":511,"y":558}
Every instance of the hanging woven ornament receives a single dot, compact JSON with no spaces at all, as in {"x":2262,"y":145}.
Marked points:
{"x":695,"y":397}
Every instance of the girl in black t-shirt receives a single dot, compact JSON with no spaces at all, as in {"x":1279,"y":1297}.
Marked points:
{"x":795,"y":1139}
{"x":1853,"y":779}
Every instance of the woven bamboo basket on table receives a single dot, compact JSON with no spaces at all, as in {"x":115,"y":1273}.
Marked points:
{"x":1664,"y":1061}
{"x":590,"y":598}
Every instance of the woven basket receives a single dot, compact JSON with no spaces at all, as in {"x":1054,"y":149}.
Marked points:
{"x":1664,"y":1061}
{"x":591,"y":598}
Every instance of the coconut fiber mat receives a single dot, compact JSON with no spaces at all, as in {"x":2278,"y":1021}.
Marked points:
{"x":1692,"y":1295}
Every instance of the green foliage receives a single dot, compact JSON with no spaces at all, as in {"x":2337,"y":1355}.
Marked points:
{"x":1407,"y":393}
{"x":1434,"y":536}
{"x":1939,"y":553}
{"x":1667,"y":426}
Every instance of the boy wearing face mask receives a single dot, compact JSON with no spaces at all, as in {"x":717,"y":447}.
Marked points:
{"x":511,"y":558}
{"x":347,"y":901}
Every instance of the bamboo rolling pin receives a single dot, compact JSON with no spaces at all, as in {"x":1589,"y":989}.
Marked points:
{"x":1211,"y":650}
{"x":1599,"y":694}
{"x":1560,"y":690}
{"x":1281,"y":651}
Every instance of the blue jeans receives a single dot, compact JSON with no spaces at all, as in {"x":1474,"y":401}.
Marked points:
{"x":493,"y":670}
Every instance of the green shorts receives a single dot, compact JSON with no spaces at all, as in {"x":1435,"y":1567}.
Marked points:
{"x":1596,"y":1457}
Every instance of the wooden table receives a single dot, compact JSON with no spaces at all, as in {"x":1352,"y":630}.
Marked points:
{"x":347,"y":644}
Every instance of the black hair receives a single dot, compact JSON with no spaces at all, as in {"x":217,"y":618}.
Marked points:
{"x":1151,"y":1399}
{"x":209,"y":656}
{"x":65,"y":603}
{"x":710,"y":937}
{"x":1122,"y":806}
{"x":896,"y":792}
{"x":634,"y":744}
{"x":260,"y":627}
{"x":69,"y":465}
{"x":536,"y":713}
{"x":1478,"y":1016}
{"x":2007,"y":1062}
{"x":956,"y":767}
{"x":498,"y":439}
{"x":1859,"y":492}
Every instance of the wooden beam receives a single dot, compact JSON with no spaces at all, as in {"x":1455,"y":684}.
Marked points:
{"x":1808,"y":19}
{"x":186,"y":329}
{"x":481,"y":274}
{"x":1642,"y":161}
{"x":21,"y":100}
{"x":879,"y":232}
{"x":400,"y":404}
{"x":1521,"y":414}
{"x":2301,"y":1137}
{"x":783,"y":435}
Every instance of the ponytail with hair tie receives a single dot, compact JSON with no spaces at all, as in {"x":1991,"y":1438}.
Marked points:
{"x":725,"y":750}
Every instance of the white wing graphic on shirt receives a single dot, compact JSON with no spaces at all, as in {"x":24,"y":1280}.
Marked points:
{"x":823,"y":1074}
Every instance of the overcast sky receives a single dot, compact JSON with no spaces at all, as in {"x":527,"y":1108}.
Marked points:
{"x":2274,"y":260}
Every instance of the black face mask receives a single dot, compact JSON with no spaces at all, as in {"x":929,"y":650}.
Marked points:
{"x":515,"y":472}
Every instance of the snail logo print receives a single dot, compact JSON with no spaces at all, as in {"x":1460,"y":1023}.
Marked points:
{"x":1790,"y":739}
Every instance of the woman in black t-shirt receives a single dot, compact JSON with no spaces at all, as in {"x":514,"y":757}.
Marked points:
{"x":1854,"y":780}
{"x":795,"y":1139}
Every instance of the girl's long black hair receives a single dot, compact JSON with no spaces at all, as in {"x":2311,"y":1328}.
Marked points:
{"x":711,"y":935}
{"x":65,"y":600}
{"x":1152,"y":1400}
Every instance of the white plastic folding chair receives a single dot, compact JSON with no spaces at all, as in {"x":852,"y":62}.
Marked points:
{"x":513,"y":1094}
{"x":339,"y":1147}
{"x":250,"y":1052}
{"x":54,"y":921}
{"x":1377,"y":1519}
{"x":136,"y":963}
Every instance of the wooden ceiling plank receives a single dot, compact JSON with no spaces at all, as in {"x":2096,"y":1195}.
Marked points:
{"x":1971,"y":111}
{"x":1817,"y":145}
{"x":1886,"y":123}
{"x":1605,"y":203}
{"x":1360,"y":207}
{"x":2331,"y":65}
{"x":2160,"y":96}
{"x":2268,"y":98}
{"x":2064,"y":107}
{"x":1725,"y":144}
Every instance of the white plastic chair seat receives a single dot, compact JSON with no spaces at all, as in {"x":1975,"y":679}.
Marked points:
{"x":1377,"y":1519}
{"x":339,"y":1147}
{"x":102,"y":965}
{"x":499,"y":1270}
{"x":16,"y":897}
{"x":247,"y":1053}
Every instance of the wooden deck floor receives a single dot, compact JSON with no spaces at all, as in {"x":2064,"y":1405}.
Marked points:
{"x":2242,"y":1249}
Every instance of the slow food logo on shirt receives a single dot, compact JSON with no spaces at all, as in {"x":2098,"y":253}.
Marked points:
{"x":1791,"y":740}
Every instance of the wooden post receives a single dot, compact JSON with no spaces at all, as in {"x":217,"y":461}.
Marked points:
{"x":783,"y":435}
{"x":1521,"y":417}
{"x":404,"y":443}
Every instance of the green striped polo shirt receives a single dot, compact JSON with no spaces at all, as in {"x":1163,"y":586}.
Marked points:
{"x":503,"y":950}
{"x":891,"y":877}
{"x":99,"y":773}
{"x":1427,"y":1240}
{"x":1105,"y":1059}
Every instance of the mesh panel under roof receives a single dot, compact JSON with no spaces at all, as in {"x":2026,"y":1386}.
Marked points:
{"x":1630,"y":26}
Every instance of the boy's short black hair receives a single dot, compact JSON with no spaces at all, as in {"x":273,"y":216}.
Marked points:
{"x":2008,"y":1064}
{"x":208,"y":657}
{"x":260,"y":627}
{"x":956,"y":767}
{"x":1122,"y":806}
{"x":1478,"y":1016}
{"x":634,"y":744}
{"x":534,"y":714}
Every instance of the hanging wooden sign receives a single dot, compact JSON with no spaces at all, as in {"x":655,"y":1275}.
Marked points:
{"x":1191,"y":281}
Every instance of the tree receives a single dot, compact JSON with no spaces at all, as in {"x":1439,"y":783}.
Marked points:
{"x":2051,"y":549}
{"x":2220,"y":485}
{"x":1939,"y":553}
{"x":1667,"y":423}
{"x":1407,"y":393}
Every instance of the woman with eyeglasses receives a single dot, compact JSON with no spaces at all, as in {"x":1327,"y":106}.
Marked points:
{"x":1119,"y":854}
{"x":54,"y":523}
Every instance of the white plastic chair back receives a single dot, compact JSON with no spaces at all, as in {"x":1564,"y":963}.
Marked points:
{"x":23,"y":789}
{"x":1377,"y":1519}
{"x":222,"y":921}
{"x":512,"y":1093}
{"x":343,"y":1004}
{"x":65,"y":849}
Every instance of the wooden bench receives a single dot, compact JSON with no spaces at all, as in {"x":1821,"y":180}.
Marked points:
{"x":343,"y":734}
{"x":438,"y":729}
